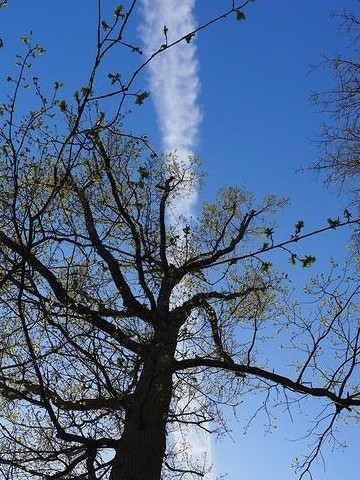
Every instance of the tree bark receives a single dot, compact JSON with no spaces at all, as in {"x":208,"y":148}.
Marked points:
{"x":142,"y":446}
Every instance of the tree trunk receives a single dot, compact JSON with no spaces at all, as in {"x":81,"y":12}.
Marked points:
{"x":142,"y":446}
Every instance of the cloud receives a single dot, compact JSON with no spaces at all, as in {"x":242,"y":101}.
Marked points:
{"x":174,"y":87}
{"x":174,"y":80}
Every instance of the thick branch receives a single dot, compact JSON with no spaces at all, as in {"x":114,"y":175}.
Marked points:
{"x":200,"y":299}
{"x":127,"y":218}
{"x":129,"y":299}
{"x":281,"y":245}
{"x":216,"y":332}
{"x":287,"y":383}
{"x":82,"y":405}
{"x":210,"y":258}
{"x":64,"y":298}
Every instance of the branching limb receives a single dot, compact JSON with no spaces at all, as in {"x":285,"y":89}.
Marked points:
{"x":287,"y":383}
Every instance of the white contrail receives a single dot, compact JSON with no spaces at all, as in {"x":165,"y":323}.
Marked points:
{"x":174,"y":87}
{"x":174,"y":81}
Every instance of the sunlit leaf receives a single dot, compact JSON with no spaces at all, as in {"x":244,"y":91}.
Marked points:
{"x":266,"y":267}
{"x":141,"y":97}
{"x":40,"y":50}
{"x":25,"y":40}
{"x":308,"y":261}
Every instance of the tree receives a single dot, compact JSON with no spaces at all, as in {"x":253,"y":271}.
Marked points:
{"x":111,"y":313}
{"x":340,"y":135}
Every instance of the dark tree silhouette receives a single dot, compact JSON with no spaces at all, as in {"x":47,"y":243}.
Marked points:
{"x":112,"y":315}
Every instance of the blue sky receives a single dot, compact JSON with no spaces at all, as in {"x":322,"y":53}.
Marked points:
{"x":255,"y":131}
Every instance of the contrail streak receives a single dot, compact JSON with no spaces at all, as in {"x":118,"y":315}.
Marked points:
{"x":174,"y":87}
{"x":174,"y":81}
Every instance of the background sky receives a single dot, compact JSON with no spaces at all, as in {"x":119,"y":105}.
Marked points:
{"x":255,"y":131}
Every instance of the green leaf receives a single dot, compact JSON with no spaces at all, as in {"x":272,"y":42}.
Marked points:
{"x":266,"y":267}
{"x":100,"y":119}
{"x":104,"y":25}
{"x":307,"y":261}
{"x":118,"y":11}
{"x":25,"y":40}
{"x":347,"y":214}
{"x":141,"y":97}
{"x":240,"y":15}
{"x":333,"y":223}
{"x":174,"y":239}
{"x":40,"y":50}
{"x":144,"y":173}
{"x":299,"y":226}
{"x":114,"y":77}
{"x":269,"y":232}
{"x":136,"y":50}
{"x":186,"y":230}
{"x":84,"y":91}
{"x":62,"y":105}
{"x":292,"y":259}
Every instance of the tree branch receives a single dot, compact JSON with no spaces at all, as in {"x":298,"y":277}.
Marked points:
{"x":287,"y":383}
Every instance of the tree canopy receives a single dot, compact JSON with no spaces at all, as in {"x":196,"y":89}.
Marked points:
{"x":123,"y":323}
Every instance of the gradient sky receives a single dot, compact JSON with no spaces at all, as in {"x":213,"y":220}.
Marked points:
{"x":255,"y":131}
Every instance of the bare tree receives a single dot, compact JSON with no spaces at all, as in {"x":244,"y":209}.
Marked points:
{"x":340,"y":135}
{"x":109,"y":312}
